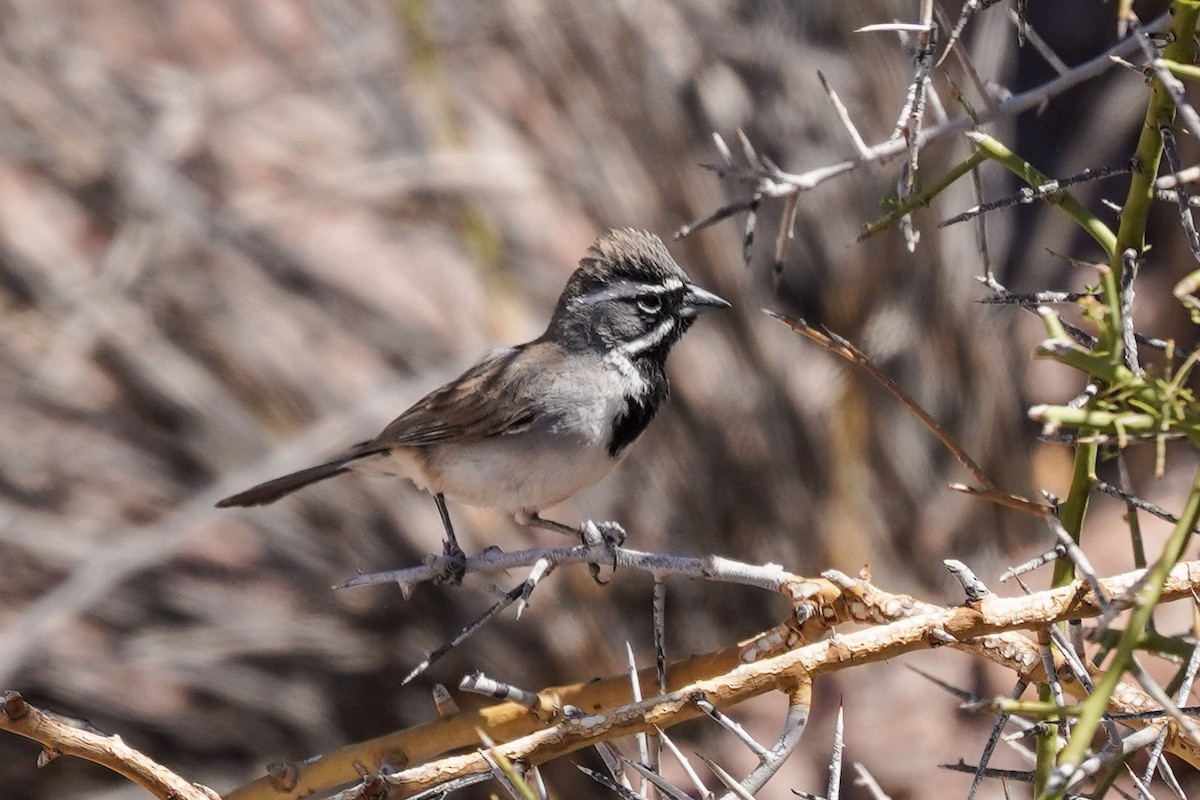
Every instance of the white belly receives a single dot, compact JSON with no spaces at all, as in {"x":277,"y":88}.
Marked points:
{"x":521,"y":473}
{"x":515,"y":473}
{"x":540,"y":466}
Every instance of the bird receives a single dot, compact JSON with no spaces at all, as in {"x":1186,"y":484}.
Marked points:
{"x":529,"y":426}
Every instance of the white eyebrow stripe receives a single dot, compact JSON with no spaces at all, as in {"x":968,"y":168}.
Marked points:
{"x":627,"y":289}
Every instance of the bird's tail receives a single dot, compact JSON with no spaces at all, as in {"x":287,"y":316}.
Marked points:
{"x":272,"y":490}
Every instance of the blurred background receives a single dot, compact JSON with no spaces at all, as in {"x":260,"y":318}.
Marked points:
{"x":236,"y":237}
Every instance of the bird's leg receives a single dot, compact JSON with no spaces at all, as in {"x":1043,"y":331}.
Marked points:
{"x":608,"y":534}
{"x":534,"y":521}
{"x":454,"y":565}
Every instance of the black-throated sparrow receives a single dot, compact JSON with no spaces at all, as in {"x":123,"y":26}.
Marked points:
{"x":529,"y":426}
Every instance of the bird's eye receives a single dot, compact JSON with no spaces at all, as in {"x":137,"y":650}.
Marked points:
{"x":650,"y":303}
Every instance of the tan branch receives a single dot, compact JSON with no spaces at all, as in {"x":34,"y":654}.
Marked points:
{"x":778,"y":660}
{"x":60,"y":736}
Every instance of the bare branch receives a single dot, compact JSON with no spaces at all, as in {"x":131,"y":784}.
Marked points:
{"x":62,"y":736}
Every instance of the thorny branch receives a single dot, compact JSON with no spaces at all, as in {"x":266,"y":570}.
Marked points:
{"x":782,"y":659}
{"x":61,"y":736}
{"x":768,"y":181}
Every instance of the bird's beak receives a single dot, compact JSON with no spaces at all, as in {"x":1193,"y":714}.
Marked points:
{"x":698,"y":300}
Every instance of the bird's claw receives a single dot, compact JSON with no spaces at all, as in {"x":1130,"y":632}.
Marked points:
{"x":451,"y":566}
{"x":608,"y":535}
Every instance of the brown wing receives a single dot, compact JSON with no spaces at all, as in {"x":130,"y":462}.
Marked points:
{"x":484,"y":401}
{"x":489,"y":399}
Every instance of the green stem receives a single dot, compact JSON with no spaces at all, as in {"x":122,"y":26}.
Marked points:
{"x":1159,"y":112}
{"x":1036,"y":708}
{"x":1093,"y":708}
{"x":1182,"y":70}
{"x":1073,"y":510}
{"x":1110,"y":422}
{"x":1096,"y":228}
{"x":1047,"y":739}
{"x":923,"y":198}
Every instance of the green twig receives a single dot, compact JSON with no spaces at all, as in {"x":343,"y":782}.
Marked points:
{"x":922,"y":199}
{"x":1144,"y":603}
{"x":1182,"y":70}
{"x":997,"y":152}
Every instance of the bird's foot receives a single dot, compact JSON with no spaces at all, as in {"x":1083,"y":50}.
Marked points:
{"x":450,"y":566}
{"x":608,"y":535}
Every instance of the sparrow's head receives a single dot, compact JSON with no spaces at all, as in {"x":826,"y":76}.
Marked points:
{"x":628,"y":295}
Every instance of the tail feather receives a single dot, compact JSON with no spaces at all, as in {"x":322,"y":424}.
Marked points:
{"x":272,"y":490}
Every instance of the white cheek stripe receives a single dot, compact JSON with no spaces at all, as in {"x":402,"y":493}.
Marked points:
{"x":646,"y":340}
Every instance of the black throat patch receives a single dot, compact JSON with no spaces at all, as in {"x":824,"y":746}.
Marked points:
{"x":637,"y":413}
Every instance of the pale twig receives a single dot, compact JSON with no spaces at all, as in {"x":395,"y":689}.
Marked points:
{"x":615,"y":763}
{"x":980,"y":631}
{"x":1034,"y":299}
{"x":913,"y":116}
{"x":701,"y":790}
{"x":892,"y":27}
{"x":786,"y":231}
{"x":833,"y":788}
{"x":1114,"y":755}
{"x":993,"y":739}
{"x":463,"y":633}
{"x":1039,"y":44}
{"x":777,"y":183}
{"x":1076,"y":554}
{"x":478,"y":683}
{"x":539,"y":785}
{"x":1173,"y":85}
{"x":1172,"y":196}
{"x":1037,"y":561}
{"x":866,"y":780}
{"x":1022,"y":775}
{"x":964,"y":15}
{"x":1071,"y":657}
{"x":659,"y":605}
{"x":794,"y":724}
{"x":735,"y":788}
{"x":60,"y":736}
{"x":1029,"y":194}
{"x":608,"y":783}
{"x":1130,"y":262}
{"x":1048,"y":666}
{"x":1181,"y":696}
{"x":1151,"y":687}
{"x":972,"y":586}
{"x":770,"y":577}
{"x":1179,"y":178}
{"x":635,"y":692}
{"x":1137,"y":502}
{"x":1183,"y":196}
{"x":659,"y":609}
{"x":845,"y":349}
{"x":724,"y":720}
{"x":541,"y":568}
{"x":656,"y":780}
{"x":856,"y":139}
